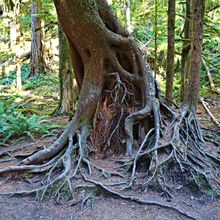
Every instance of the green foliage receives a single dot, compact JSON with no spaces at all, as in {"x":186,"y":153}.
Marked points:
{"x":40,"y":81}
{"x":9,"y":79}
{"x":15,"y":125}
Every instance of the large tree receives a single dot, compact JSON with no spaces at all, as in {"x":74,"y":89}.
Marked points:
{"x":120,"y":111}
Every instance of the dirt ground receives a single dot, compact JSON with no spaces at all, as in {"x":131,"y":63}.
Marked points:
{"x":198,"y":205}
{"x":107,"y":208}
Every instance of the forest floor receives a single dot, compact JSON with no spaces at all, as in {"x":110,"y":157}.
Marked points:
{"x":198,"y":204}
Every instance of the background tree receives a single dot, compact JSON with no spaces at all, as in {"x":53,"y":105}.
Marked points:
{"x":37,"y":62}
{"x":155,"y":36}
{"x":1,"y":10}
{"x":170,"y":48}
{"x":127,"y":8}
{"x":66,"y":75}
{"x":192,"y":93}
{"x":185,"y":48}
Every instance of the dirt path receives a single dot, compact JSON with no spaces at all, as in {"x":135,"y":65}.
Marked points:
{"x":108,"y":208}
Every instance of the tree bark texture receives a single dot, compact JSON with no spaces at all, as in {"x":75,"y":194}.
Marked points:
{"x":155,"y":36}
{"x":106,"y":63}
{"x":37,"y":62}
{"x":192,"y":93}
{"x":15,"y":28}
{"x":170,"y":49}
{"x":1,"y":10}
{"x":65,"y":75}
{"x":185,"y":49}
{"x":127,"y":9}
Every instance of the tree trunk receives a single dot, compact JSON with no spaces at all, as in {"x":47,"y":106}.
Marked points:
{"x":106,"y":64}
{"x":192,"y":93}
{"x":185,"y":50}
{"x":155,"y":36}
{"x":1,"y":10}
{"x":65,"y":76}
{"x":18,"y":77}
{"x":37,"y":62}
{"x":170,"y":49}
{"x":127,"y":9}
{"x":15,"y":29}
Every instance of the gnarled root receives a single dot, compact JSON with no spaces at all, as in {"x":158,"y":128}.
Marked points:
{"x":177,"y":142}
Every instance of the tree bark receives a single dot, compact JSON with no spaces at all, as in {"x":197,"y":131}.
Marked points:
{"x":155,"y":36}
{"x":65,"y":76}
{"x":127,"y":9}
{"x":170,"y":49}
{"x":1,"y":10}
{"x":15,"y":29}
{"x":37,"y":62}
{"x":105,"y":66}
{"x":185,"y":50}
{"x":192,"y":93}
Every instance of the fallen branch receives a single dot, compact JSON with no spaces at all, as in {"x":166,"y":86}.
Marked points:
{"x":16,"y":59}
{"x":209,"y":112}
{"x":209,"y":75}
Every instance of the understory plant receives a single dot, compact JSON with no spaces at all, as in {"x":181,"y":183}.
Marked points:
{"x":17,"y":126}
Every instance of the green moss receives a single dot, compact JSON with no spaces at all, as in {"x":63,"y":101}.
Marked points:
{"x":84,"y":122}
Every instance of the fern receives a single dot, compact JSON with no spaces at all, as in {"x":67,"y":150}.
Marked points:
{"x":15,"y":125}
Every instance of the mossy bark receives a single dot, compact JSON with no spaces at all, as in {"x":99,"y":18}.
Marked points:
{"x":66,"y":77}
{"x":37,"y":62}
{"x":192,"y":92}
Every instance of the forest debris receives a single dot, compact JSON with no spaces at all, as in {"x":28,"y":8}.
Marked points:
{"x":209,"y":112}
{"x":209,"y":75}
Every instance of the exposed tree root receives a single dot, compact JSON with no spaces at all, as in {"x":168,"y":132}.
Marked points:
{"x":74,"y":161}
{"x":182,"y":144}
{"x":136,"y":199}
{"x":173,"y":140}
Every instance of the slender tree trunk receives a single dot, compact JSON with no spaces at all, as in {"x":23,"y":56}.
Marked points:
{"x":15,"y":45}
{"x":170,"y":49}
{"x":155,"y":36}
{"x":65,"y":76}
{"x":185,"y":50}
{"x":127,"y":9}
{"x":1,"y":10}
{"x":211,"y":82}
{"x":37,"y":62}
{"x":18,"y":77}
{"x":192,"y":93}
{"x":15,"y":29}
